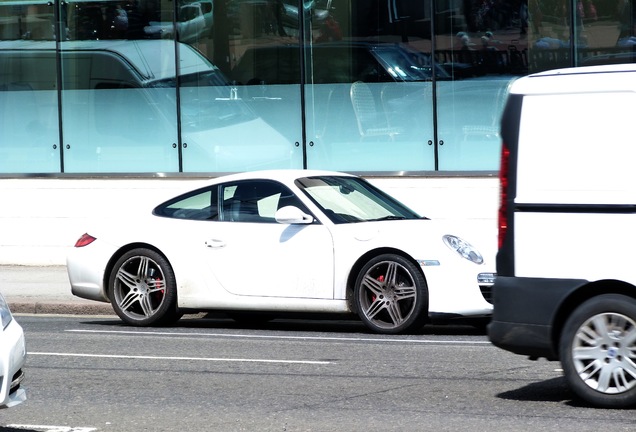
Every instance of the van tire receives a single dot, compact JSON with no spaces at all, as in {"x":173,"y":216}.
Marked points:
{"x":597,"y":349}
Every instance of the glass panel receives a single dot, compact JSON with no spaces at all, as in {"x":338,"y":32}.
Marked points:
{"x":483,"y":46}
{"x":607,"y":32}
{"x":248,"y":116}
{"x":118,"y":90}
{"x":29,"y":139}
{"x":369,"y":86}
{"x":368,"y":83}
{"x":548,"y":27}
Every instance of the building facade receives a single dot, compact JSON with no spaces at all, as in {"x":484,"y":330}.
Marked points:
{"x":105,"y":104}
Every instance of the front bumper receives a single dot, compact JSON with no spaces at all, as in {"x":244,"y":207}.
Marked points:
{"x":12,"y":360}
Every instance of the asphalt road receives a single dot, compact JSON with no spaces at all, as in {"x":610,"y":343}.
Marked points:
{"x":210,"y":374}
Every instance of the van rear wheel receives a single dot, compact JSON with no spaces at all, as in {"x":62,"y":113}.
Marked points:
{"x":598,"y":351}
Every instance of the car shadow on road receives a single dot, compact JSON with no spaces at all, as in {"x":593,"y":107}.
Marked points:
{"x":551,"y":390}
{"x":12,"y":429}
{"x":319,"y":323}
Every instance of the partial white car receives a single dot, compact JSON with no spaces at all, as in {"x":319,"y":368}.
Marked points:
{"x":194,"y":22}
{"x":12,"y":358}
{"x":283,"y":241}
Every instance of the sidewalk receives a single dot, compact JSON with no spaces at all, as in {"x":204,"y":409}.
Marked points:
{"x":44,"y":290}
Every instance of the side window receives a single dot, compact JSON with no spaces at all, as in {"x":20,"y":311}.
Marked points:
{"x":256,"y":200}
{"x":200,"y":205}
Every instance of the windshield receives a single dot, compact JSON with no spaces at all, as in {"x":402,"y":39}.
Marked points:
{"x":404,"y":65}
{"x":352,"y":199}
{"x":212,"y":77}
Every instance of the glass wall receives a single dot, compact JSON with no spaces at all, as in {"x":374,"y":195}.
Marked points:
{"x":212,"y":86}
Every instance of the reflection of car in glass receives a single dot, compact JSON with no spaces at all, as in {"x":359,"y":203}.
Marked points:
{"x":362,"y":89}
{"x":283,"y":241}
{"x":105,"y":64}
{"x":336,"y":62}
{"x":320,"y":10}
{"x":253,"y":17}
{"x":12,"y":358}
{"x":139,"y":76}
{"x":194,"y":20}
{"x":615,"y":56}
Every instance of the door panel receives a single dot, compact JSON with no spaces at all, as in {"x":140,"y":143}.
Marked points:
{"x":274,"y":260}
{"x":254,"y":255}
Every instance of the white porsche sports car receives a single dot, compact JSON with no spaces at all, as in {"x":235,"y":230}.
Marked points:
{"x":283,"y":241}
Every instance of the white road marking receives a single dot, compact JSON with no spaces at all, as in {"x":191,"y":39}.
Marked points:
{"x":248,"y":336}
{"x":208,"y":359}
{"x":52,"y":428}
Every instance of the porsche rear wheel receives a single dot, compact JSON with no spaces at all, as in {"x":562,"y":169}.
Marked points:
{"x":143,"y":290}
{"x":391,"y":295}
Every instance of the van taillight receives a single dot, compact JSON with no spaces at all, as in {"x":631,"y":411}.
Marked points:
{"x":503,"y":193}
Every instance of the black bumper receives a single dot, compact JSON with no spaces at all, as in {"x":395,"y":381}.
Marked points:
{"x":525,"y":313}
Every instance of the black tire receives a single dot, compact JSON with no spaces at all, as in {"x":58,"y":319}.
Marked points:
{"x":391,"y":295}
{"x":598,"y":351}
{"x":143,"y":290}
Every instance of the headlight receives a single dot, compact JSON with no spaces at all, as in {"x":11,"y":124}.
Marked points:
{"x":5,"y":313}
{"x":463,"y":248}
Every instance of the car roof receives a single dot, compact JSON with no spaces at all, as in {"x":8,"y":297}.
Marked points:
{"x":142,"y":54}
{"x":579,"y":79}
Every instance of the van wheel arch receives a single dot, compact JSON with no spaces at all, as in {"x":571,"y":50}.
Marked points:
{"x":596,"y":351}
{"x":580,"y":296}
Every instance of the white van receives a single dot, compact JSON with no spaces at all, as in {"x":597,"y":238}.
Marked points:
{"x":566,"y":284}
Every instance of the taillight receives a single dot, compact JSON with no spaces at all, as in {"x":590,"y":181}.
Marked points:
{"x":503,"y":194}
{"x":84,"y":240}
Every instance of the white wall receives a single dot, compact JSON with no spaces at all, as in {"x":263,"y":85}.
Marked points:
{"x":41,"y":218}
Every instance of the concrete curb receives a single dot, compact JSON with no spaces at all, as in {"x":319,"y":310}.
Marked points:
{"x":42,"y":308}
{"x":45,"y":290}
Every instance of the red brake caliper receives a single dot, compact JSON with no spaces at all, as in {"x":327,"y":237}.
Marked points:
{"x":380,"y":279}
{"x":159,"y":284}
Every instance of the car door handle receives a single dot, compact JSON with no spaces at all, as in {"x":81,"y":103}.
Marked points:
{"x":215,"y":243}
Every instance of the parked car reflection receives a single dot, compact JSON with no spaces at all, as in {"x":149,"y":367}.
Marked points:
{"x":361,"y":89}
{"x":256,"y":17}
{"x":139,"y":108}
{"x":194,"y":21}
{"x":337,"y":62}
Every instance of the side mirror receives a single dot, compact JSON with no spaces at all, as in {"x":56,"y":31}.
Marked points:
{"x":292,"y":215}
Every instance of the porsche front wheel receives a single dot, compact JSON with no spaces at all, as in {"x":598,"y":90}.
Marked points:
{"x":143,"y":290}
{"x":391,"y":295}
